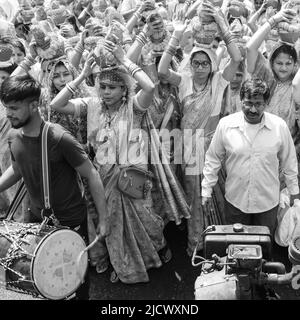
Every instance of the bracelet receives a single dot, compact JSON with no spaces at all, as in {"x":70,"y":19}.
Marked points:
{"x":71,"y":87}
{"x":24,"y":66}
{"x":228,"y":37}
{"x":133,"y":68}
{"x":227,"y":42}
{"x":137,"y":15}
{"x":171,"y":50}
{"x":141,"y":38}
{"x":30,"y":60}
{"x":136,"y":70}
{"x":79,"y":48}
{"x":225,"y":34}
{"x":67,"y":48}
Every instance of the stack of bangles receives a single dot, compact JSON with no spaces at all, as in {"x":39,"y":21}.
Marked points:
{"x":141,"y":38}
{"x":137,"y":15}
{"x":71,"y":87}
{"x":133,"y":68}
{"x":27,"y":63}
{"x":172,"y":48}
{"x":228,"y":38}
{"x":79,"y":48}
{"x":68,"y":47}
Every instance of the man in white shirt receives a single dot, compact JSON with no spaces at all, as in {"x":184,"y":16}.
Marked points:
{"x":255,"y":145}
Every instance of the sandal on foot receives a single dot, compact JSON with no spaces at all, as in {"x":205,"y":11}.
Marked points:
{"x":165,"y":255}
{"x":114,"y":277}
{"x":102,"y":267}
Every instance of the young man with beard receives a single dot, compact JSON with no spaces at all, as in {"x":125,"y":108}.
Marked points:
{"x":20,"y":96}
{"x":255,"y":145}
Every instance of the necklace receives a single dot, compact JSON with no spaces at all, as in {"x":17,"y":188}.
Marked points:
{"x":109,"y":118}
{"x":201,"y":88}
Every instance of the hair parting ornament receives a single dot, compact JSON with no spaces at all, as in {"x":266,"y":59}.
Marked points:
{"x":110,"y":76}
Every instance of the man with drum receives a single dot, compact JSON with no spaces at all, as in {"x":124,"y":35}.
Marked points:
{"x":20,"y":95}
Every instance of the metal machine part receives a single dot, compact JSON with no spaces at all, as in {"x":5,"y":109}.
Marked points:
{"x":242,"y":268}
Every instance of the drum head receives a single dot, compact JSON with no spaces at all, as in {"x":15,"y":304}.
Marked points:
{"x":57,"y":269}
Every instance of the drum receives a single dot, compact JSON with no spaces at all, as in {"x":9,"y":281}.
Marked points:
{"x":51,"y":263}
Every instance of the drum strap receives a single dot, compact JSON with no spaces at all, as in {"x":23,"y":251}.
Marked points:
{"x":47,"y":213}
{"x":45,"y":167}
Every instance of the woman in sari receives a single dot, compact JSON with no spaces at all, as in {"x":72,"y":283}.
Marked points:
{"x":201,"y":92}
{"x":280,"y":73}
{"x":61,"y":73}
{"x":134,"y":241}
{"x":164,"y":112}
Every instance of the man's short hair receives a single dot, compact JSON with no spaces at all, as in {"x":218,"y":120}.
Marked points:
{"x":19,"y":88}
{"x":254,"y":87}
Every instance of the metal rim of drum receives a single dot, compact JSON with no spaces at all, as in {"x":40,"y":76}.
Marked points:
{"x":36,"y":255}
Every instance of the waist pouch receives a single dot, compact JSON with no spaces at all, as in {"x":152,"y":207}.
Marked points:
{"x":135,"y":182}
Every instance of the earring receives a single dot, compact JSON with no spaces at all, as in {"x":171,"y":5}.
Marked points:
{"x":124,"y":98}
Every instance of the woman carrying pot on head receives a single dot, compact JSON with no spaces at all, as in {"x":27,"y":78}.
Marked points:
{"x":279,"y":71}
{"x":61,"y":73}
{"x":200,"y":91}
{"x":135,"y":241}
{"x":163,"y":114}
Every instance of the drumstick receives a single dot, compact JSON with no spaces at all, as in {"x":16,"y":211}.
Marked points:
{"x":98,"y":237}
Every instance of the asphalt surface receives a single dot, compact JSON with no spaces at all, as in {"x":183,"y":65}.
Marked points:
{"x":173,"y":281}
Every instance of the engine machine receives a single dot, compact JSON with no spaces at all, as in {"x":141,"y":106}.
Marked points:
{"x":236,"y":263}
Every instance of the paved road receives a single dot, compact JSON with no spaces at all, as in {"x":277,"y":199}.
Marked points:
{"x":173,"y":281}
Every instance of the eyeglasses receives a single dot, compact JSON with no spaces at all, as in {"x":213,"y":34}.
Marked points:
{"x":257,"y":105}
{"x":204,"y":64}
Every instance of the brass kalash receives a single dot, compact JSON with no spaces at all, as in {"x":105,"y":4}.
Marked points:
{"x":236,"y":264}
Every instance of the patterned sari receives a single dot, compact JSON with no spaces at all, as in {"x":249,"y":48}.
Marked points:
{"x":199,"y":115}
{"x":135,"y":232}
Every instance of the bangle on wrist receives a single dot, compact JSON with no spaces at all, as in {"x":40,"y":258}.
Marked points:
{"x":141,"y":38}
{"x":71,"y":87}
{"x":171,"y":50}
{"x":137,"y":15}
{"x":24,"y":66}
{"x":132,"y":68}
{"x":79,"y":48}
{"x":135,"y":70}
{"x":30,"y":59}
{"x":228,"y":37}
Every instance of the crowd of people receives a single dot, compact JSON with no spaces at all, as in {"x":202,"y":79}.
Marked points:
{"x":164,"y":111}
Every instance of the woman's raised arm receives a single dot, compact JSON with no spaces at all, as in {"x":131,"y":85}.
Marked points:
{"x":145,"y":95}
{"x":61,"y":101}
{"x":260,"y":35}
